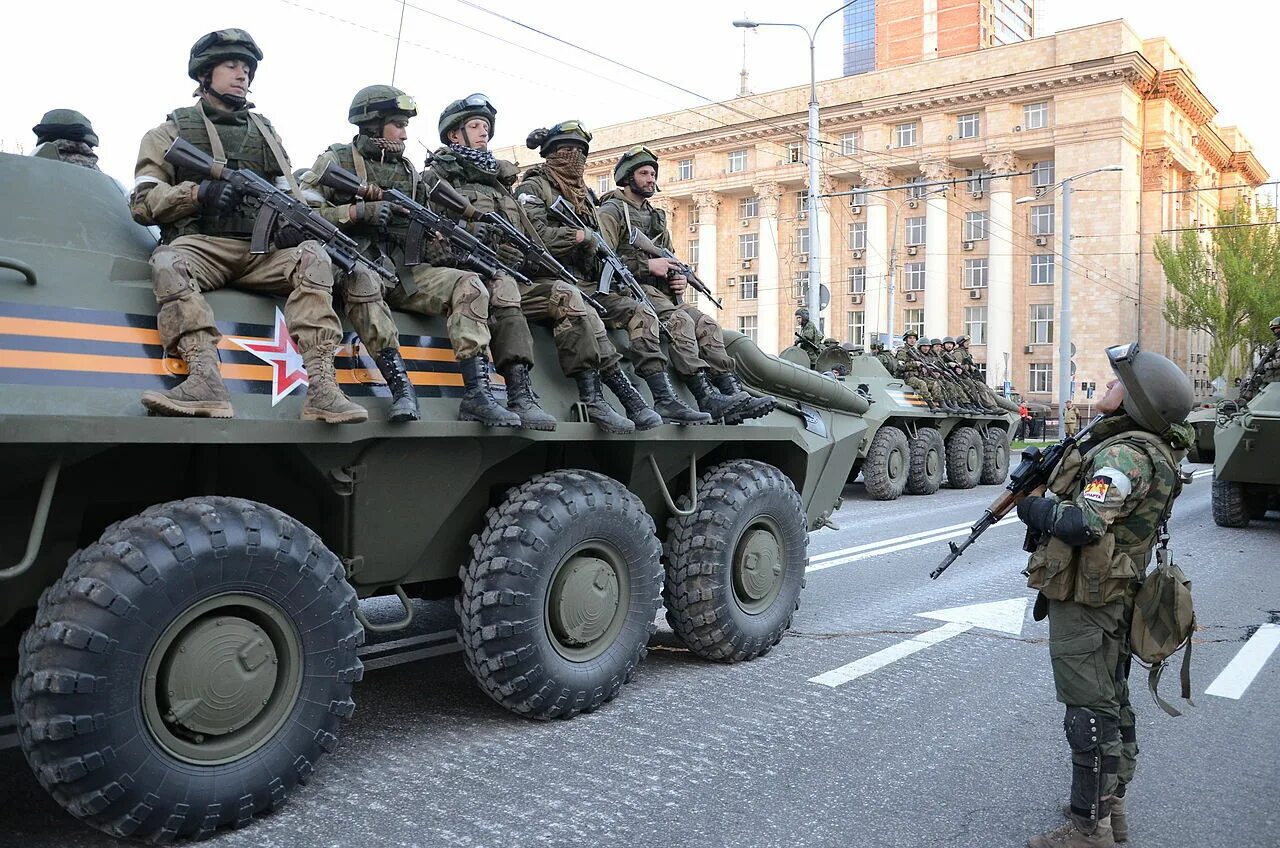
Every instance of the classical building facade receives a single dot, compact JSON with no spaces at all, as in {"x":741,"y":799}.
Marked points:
{"x":973,"y":243}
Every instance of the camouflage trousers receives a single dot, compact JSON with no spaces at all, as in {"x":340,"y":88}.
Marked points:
{"x":184,"y":269}
{"x":471,"y":308}
{"x":1090,"y":654}
{"x":921,"y":388}
{"x":625,"y":313}
{"x":696,"y":341}
{"x":582,"y":342}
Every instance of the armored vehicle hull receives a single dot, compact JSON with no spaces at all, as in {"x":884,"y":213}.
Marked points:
{"x":1246,"y":465}
{"x":1204,"y":422}
{"x":179,"y":607}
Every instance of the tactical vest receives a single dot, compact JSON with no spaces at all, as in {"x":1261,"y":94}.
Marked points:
{"x":244,"y":147}
{"x":486,"y":192}
{"x":1106,"y":570}
{"x":398,"y":174}
{"x":908,"y":365}
{"x":581,"y":259}
{"x":646,"y":218}
{"x":890,"y":364}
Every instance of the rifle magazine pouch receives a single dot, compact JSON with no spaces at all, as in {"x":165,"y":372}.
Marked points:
{"x":1104,"y":574}
{"x":1052,"y":570}
{"x":1065,"y":474}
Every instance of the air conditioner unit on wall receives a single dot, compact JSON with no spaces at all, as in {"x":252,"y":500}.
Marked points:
{"x":913,"y":204}
{"x":804,"y":259}
{"x":732,"y":281}
{"x":746,"y":222}
{"x":693,"y":228}
{"x":855,"y":209}
{"x":968,"y":245}
{"x":1029,"y":349}
{"x":912,"y":250}
{"x":857,"y":254}
{"x":975,"y":294}
{"x":746,"y":263}
{"x":911,"y":297}
{"x":855,"y":298}
{"x":1042,"y":240}
{"x":976,"y":195}
{"x":1040,"y":190}
{"x":804,"y":213}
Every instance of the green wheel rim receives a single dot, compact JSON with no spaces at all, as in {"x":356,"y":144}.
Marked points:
{"x":587,"y":601}
{"x":897,"y":463}
{"x":222,"y":679}
{"x":932,"y":462}
{"x":758,"y":566}
{"x":973,"y":459}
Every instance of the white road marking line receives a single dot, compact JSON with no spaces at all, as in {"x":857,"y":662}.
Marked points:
{"x":1245,"y":665}
{"x":411,"y":656}
{"x":421,"y":639}
{"x":935,"y":536}
{"x":859,"y":548}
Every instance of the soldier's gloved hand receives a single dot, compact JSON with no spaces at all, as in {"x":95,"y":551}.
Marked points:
{"x":1036,"y":513}
{"x":287,"y":237}
{"x":377,"y":213}
{"x":510,"y":257}
{"x":436,"y":252}
{"x":216,"y":195}
{"x":484,"y":232}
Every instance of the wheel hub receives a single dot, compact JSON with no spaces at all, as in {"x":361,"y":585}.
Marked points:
{"x":973,"y":459}
{"x":932,"y":462}
{"x":896,"y":464}
{"x":221,"y":675}
{"x":757,"y":569}
{"x":584,"y":600}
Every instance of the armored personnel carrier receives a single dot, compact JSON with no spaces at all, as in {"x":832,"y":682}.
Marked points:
{"x":179,"y":600}
{"x":1246,"y":464}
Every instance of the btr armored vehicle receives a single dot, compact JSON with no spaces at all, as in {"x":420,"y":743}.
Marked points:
{"x":1246,"y":463}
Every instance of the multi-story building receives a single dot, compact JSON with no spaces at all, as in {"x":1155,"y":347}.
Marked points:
{"x":881,"y":34}
{"x":980,"y":254}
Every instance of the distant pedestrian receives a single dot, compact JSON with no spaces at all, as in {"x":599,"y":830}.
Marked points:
{"x":1024,"y":422}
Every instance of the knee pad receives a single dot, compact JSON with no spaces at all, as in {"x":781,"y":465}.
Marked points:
{"x":680,"y":323}
{"x":503,"y":292}
{"x":362,"y":286}
{"x":314,"y":269}
{"x":171,"y":276}
{"x":471,"y":298}
{"x":641,"y":324}
{"x":566,"y":301}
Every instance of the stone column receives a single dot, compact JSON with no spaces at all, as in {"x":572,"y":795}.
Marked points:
{"x":824,"y":252}
{"x":937,"y":259}
{"x":1000,"y":272}
{"x":767,"y":318}
{"x":708,"y":205}
{"x":876,"y":300}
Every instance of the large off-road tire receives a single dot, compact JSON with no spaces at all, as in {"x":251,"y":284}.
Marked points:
{"x":928,"y":462}
{"x":559,"y":599}
{"x":888,"y":464}
{"x":735,"y":568}
{"x":188,"y":670}
{"x":1230,"y":508}
{"x":964,"y":458}
{"x":995,"y":457}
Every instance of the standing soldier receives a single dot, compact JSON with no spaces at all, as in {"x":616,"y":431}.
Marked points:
{"x":66,"y":135}
{"x":564,"y":148}
{"x":1072,"y":420}
{"x":910,"y":370}
{"x":697,"y":346}
{"x":1096,"y":531}
{"x":376,"y":156}
{"x":808,"y":336}
{"x":205,"y":226}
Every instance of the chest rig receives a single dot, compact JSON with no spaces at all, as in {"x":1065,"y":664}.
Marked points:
{"x":396,"y":174}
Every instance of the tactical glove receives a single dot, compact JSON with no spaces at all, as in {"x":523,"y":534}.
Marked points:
{"x":510,"y":256}
{"x":216,"y":195}
{"x":287,"y":237}
{"x":436,"y":252}
{"x":377,"y":213}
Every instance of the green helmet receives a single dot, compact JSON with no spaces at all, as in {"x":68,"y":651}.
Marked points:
{"x":379,"y":103}
{"x":831,"y":341}
{"x":459,"y":112}
{"x":544,"y":140}
{"x":220,"y":45}
{"x":65,"y":124}
{"x":803,"y":312}
{"x":961,"y":341}
{"x":935,"y":341}
{"x":948,"y":340}
{"x":910,"y":335}
{"x":1156,"y":392}
{"x":635,"y":158}
{"x":1274,"y":325}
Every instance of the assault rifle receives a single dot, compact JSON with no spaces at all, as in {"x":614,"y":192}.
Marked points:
{"x":278,"y":207}
{"x":677,"y":269}
{"x":613,"y":266}
{"x":1032,"y":472}
{"x":805,"y":343}
{"x":469,"y":252}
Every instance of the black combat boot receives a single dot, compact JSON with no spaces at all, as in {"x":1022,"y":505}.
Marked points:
{"x":522,"y":401}
{"x":711,"y":401}
{"x":599,"y":412}
{"x":756,"y":407}
{"x":404,"y":400}
{"x":478,"y":403}
{"x":669,"y":405}
{"x":641,"y":414}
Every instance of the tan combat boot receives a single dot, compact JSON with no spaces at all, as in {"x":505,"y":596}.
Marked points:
{"x":202,"y":394}
{"x":1119,"y":822}
{"x":1071,"y":835}
{"x":325,"y":401}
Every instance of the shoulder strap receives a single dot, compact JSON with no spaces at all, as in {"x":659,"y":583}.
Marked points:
{"x":359,"y":166}
{"x":215,"y":141}
{"x":273,"y":142}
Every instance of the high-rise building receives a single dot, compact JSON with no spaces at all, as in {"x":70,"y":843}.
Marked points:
{"x":882,"y":34}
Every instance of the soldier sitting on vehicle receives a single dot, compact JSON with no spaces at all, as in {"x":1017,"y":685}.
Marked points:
{"x":66,"y":135}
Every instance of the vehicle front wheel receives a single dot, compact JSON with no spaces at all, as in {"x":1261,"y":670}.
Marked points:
{"x":188,"y":670}
{"x":1230,"y":507}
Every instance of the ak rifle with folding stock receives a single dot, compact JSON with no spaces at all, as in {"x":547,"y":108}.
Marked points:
{"x":278,"y":208}
{"x":1031,"y":473}
{"x":677,"y":269}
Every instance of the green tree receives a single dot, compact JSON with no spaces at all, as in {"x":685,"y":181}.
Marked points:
{"x":1228,"y":288}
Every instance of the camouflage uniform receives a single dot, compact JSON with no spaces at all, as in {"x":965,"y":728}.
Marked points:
{"x":812,"y":336}
{"x":66,"y":135}
{"x":910,"y":371}
{"x":888,"y":361}
{"x":1268,"y":368}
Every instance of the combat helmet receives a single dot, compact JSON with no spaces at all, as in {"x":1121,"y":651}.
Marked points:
{"x":377,"y":104}
{"x":910,"y":334}
{"x":634,"y":159}
{"x":67,"y":125}
{"x":459,"y":112}
{"x":221,"y":45}
{"x":544,"y":140}
{"x":949,"y":340}
{"x":935,"y":341}
{"x":803,"y":312}
{"x":962,"y":340}
{"x":1275,"y":324}
{"x":1156,"y":392}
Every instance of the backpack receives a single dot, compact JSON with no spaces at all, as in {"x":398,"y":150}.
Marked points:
{"x":1163,"y":622}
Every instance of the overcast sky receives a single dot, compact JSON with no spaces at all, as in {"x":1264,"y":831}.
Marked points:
{"x":124,"y":63}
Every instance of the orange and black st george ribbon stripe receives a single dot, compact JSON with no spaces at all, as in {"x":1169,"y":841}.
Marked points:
{"x":68,"y":346}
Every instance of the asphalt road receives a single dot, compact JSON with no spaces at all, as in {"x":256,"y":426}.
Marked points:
{"x":955,"y":743}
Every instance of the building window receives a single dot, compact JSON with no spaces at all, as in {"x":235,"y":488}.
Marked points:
{"x":917,"y":189}
{"x":1041,"y":324}
{"x":967,"y":126}
{"x":849,"y":143}
{"x":794,"y":151}
{"x":802,"y":240}
{"x":915,"y":231}
{"x":602,"y":185}
{"x":1042,"y":174}
{"x":800,"y":287}
{"x":981,"y":368}
{"x":904,"y":135}
{"x":858,"y":197}
{"x":693,"y":251}
{"x":749,"y":206}
{"x":748,"y":245}
{"x":914,"y":322}
{"x":857,"y":327}
{"x":802,"y":204}
{"x":975,"y":226}
{"x":1035,"y":116}
{"x":859,"y":37}
{"x":747,"y":326}
{"x":975,"y":273}
{"x":738,"y":161}
{"x":858,"y":236}
{"x":913,"y":276}
{"x":1041,"y":377}
{"x":858,"y":280}
{"x":975,"y":324}
{"x":1042,"y":220}
{"x":979,"y":180}
{"x":748,"y":287}
{"x":1042,"y":269}
{"x":684,"y":169}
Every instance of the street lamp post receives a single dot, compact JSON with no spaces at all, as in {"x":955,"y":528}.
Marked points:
{"x":1064,"y":310}
{"x":811,"y":205}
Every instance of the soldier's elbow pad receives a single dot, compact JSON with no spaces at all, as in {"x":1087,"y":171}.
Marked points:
{"x":1071,"y":527}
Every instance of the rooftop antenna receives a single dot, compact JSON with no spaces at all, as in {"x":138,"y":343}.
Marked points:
{"x":399,"y":30}
{"x":743,"y":89}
